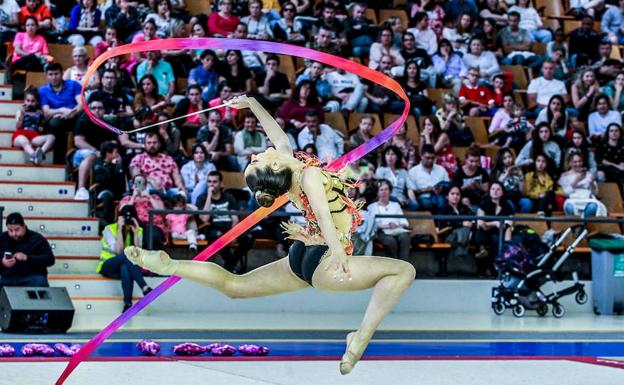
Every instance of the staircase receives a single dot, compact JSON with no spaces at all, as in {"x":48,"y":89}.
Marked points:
{"x":45,"y":199}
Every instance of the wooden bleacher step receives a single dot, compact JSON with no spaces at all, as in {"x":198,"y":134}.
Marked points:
{"x":22,"y":172}
{"x":46,"y":207}
{"x":38,"y":190}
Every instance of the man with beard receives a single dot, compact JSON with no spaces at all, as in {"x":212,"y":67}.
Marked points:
{"x":160,"y":169}
{"x":25,"y":255}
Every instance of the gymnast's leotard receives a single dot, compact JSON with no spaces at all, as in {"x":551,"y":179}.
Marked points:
{"x":309,"y":247}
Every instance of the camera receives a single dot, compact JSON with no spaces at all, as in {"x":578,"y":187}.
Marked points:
{"x":8,"y":255}
{"x":128,"y":217}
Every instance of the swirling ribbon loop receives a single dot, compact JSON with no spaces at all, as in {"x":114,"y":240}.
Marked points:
{"x":256,"y":216}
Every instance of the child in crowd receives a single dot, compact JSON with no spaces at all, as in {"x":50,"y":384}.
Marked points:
{"x":183,"y":226}
{"x":27,"y":134}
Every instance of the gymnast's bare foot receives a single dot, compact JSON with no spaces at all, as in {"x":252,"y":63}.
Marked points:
{"x":156,"y":261}
{"x":352,"y":354}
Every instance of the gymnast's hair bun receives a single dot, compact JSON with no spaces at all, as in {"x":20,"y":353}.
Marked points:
{"x":265,"y":199}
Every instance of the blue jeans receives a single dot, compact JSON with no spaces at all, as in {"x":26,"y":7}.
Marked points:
{"x":30,"y":280}
{"x":120,"y":267}
{"x":427,"y":202}
{"x":541,"y":35}
{"x":361,"y":45}
{"x":522,"y":205}
{"x":590,"y":209}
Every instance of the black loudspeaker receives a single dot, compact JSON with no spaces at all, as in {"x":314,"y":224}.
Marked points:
{"x":35,"y":309}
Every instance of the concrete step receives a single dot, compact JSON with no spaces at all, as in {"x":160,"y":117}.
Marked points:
{"x":75,"y":246}
{"x":95,"y":285}
{"x":10,"y":107}
{"x":5,"y":138}
{"x":3,"y":79}
{"x":7,"y":122}
{"x":46,"y":207}
{"x":23,"y":172}
{"x":38,"y":190}
{"x":63,"y":226}
{"x":6,"y":91}
{"x":14,"y":155}
{"x":72,"y":265}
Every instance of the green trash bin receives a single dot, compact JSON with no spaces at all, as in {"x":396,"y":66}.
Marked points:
{"x":607,"y":274}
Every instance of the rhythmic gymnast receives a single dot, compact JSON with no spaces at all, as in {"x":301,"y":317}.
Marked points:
{"x":324,"y":243}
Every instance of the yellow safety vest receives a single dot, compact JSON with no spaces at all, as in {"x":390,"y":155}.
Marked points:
{"x":107,"y":251}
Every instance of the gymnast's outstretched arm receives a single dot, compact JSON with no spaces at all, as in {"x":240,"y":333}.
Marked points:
{"x":273,"y":130}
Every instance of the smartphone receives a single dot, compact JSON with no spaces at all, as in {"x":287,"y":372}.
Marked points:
{"x":139,"y":184}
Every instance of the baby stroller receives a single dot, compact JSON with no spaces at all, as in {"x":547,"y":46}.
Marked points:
{"x":526,"y":265}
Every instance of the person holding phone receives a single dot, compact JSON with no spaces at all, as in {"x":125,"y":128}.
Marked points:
{"x":26,"y":255}
{"x":113,"y":263}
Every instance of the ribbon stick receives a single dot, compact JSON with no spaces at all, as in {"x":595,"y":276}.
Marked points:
{"x":256,"y":216}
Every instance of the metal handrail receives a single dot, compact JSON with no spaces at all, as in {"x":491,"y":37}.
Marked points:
{"x":473,"y":218}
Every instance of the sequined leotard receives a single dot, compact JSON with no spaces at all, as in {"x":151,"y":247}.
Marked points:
{"x":310,"y":246}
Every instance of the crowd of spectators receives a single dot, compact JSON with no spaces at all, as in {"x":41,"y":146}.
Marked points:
{"x":549,"y":145}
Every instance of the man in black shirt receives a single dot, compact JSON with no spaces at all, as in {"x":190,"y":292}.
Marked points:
{"x":88,"y":137}
{"x":117,"y":107}
{"x":218,"y":140}
{"x":109,"y":174}
{"x":218,"y":224}
{"x":584,"y":43}
{"x":26,"y":255}
{"x":273,"y":85}
{"x":409,"y":51}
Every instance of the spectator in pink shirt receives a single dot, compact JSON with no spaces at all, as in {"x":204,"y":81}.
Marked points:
{"x":30,"y":49}
{"x":160,"y":169}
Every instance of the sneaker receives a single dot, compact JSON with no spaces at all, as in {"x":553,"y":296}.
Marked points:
{"x":82,"y":194}
{"x":126,"y":307}
{"x":38,"y":157}
{"x":193,"y":247}
{"x":147,"y":290}
{"x":481,"y":254}
{"x":201,"y":237}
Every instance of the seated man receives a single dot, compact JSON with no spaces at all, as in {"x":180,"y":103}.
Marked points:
{"x":426,"y":178}
{"x":347,"y":90}
{"x":328,"y":142}
{"x":218,"y":224}
{"x":117,"y":107}
{"x":61,"y":104}
{"x":159,"y":168}
{"x":541,"y":89}
{"x":273,"y":85}
{"x":88,"y":137}
{"x":190,"y":104}
{"x":249,"y":141}
{"x":217,"y":139}
{"x":26,"y":255}
{"x":111,"y":179}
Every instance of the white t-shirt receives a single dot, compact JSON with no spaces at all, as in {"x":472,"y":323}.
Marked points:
{"x":390,"y":209}
{"x":339,"y":82}
{"x":598,"y":124}
{"x":7,"y":8}
{"x":421,"y":178}
{"x":545,"y":89}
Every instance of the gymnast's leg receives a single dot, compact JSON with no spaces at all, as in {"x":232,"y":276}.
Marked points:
{"x":389,"y":277}
{"x":273,"y":278}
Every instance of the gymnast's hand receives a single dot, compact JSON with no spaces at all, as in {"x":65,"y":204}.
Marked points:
{"x":239,"y":102}
{"x":340,"y":262}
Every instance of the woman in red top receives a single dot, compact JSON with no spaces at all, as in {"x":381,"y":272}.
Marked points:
{"x":304,"y":99}
{"x":222,"y":23}
{"x":39,"y":11}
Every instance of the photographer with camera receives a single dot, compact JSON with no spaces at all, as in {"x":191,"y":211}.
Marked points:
{"x":113,"y":262}
{"x":26,"y":255}
{"x":143,"y":202}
